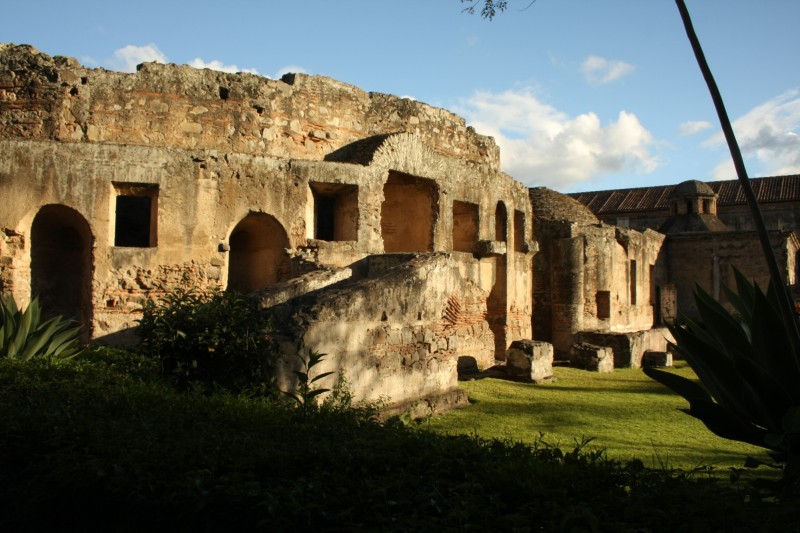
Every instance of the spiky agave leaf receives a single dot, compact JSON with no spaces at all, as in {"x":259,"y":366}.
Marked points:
{"x":24,"y":336}
{"x":749,"y":373}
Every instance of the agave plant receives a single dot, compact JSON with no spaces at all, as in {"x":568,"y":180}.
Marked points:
{"x":24,"y":336}
{"x":748,"y":370}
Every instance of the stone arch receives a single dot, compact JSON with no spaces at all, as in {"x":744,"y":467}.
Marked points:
{"x":258,"y":257}
{"x":501,"y":222}
{"x":61,"y":263}
{"x":408,"y":153}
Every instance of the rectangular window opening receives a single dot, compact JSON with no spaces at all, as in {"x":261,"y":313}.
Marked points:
{"x":519,"y":231}
{"x":633,"y":282}
{"x":135,"y":215}
{"x":603,"y":301}
{"x":465,"y":226}
{"x":335,"y":211}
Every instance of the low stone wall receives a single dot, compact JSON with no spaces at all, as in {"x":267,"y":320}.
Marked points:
{"x":396,"y":335}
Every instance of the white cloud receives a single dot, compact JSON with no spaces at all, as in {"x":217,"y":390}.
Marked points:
{"x":599,"y":70}
{"x":693,"y":127}
{"x":126,"y":58}
{"x":724,"y":171}
{"x":289,"y":68}
{"x":768,"y":136}
{"x":540,"y":145}
{"x":216,"y":64}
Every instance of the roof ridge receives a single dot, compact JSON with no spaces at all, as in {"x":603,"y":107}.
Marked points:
{"x":767,"y":189}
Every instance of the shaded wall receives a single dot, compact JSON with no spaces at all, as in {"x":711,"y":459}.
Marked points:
{"x":707,"y":259}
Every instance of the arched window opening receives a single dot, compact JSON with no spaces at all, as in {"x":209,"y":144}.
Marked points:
{"x":257,"y":253}
{"x":501,"y":223}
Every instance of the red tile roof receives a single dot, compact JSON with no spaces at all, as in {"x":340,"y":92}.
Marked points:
{"x":772,"y":189}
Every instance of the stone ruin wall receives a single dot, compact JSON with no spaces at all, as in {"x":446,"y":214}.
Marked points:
{"x":297,"y":117}
{"x":708,"y":260}
{"x":589,"y":276}
{"x":71,"y":137}
{"x":398,"y":333}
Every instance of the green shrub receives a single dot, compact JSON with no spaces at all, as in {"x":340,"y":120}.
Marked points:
{"x":209,"y":340}
{"x":131,"y":363}
{"x":23,"y":334}
{"x":750,"y":375}
{"x":85,"y":447}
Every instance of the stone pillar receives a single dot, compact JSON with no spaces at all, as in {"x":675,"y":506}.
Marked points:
{"x":567,"y":291}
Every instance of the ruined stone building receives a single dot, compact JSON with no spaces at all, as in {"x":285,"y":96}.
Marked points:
{"x":380,"y":229}
{"x":376,"y":229}
{"x":593,"y":282}
{"x":709,"y":230}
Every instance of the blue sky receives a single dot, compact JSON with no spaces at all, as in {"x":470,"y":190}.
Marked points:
{"x":579,"y":94}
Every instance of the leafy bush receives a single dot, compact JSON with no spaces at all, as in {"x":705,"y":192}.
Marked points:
{"x":23,"y":334}
{"x":209,"y":340}
{"x":750,"y":375}
{"x":130,"y":363}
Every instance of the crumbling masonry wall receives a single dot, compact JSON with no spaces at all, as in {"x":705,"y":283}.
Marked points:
{"x":297,"y":117}
{"x":176,"y":177}
{"x":589,"y":276}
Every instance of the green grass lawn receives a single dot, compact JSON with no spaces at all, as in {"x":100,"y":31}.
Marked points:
{"x":628,"y":414}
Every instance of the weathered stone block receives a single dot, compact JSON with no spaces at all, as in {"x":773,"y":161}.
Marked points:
{"x":590,"y":357}
{"x":654,"y":358}
{"x":627,"y":347}
{"x":530,"y":360}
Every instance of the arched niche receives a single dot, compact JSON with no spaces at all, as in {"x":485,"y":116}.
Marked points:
{"x":61,"y":263}
{"x":409,"y":213}
{"x":501,"y":223}
{"x":257,"y":253}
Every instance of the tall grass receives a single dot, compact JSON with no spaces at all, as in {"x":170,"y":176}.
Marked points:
{"x":626,"y":413}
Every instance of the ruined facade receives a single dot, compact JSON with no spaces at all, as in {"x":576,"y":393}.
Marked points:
{"x":380,"y":229}
{"x":593,"y":282}
{"x":709,"y":232}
